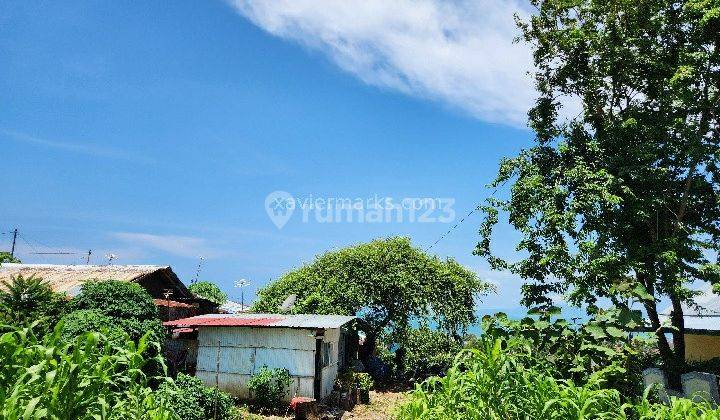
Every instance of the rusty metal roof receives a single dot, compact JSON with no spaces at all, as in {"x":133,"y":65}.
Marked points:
{"x":70,"y":278}
{"x":263,"y":320}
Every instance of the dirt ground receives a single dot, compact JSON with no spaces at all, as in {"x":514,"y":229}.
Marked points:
{"x":382,"y":406}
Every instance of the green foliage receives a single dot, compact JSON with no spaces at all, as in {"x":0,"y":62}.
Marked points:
{"x":387,"y":283}
{"x":268,"y":387}
{"x":83,"y":320}
{"x":494,"y":382}
{"x":577,"y":352}
{"x":24,"y":301}
{"x":209,"y":291}
{"x":364,"y":381}
{"x":678,"y":409}
{"x":87,"y":378}
{"x":491,"y":382}
{"x":192,"y":400}
{"x":5,"y":257}
{"x":118,"y":299}
{"x":427,"y":352}
{"x":620,"y":200}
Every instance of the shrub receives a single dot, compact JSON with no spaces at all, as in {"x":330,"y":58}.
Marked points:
{"x":268,"y":387}
{"x":192,"y":400}
{"x":84,"y":320}
{"x":209,"y":291}
{"x":427,"y":352}
{"x":118,"y":299}
{"x":364,"y":381}
{"x":86,"y":378}
{"x":576,"y":352}
{"x":28,"y":300}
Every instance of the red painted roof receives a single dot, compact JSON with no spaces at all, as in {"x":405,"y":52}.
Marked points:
{"x":197,"y":321}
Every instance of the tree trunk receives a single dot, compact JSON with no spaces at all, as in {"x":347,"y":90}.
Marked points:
{"x":675,"y":369}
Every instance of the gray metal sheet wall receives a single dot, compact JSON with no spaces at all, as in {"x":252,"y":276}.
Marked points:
{"x":244,"y":350}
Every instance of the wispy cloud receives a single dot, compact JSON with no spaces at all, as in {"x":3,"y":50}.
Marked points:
{"x":460,"y":52}
{"x":183,"y":246}
{"x":81,"y":148}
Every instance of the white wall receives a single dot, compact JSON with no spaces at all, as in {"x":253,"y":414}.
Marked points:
{"x":244,"y":350}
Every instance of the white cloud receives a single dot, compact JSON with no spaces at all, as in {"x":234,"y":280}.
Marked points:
{"x":458,"y":52}
{"x":183,"y":246}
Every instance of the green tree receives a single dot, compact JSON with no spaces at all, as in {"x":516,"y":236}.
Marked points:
{"x":25,"y":300}
{"x":210,"y":291}
{"x":621,"y":200}
{"x":118,"y":299}
{"x":387,"y":283}
{"x":5,"y":257}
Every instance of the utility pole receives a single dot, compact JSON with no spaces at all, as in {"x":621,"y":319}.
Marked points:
{"x":12,"y":251}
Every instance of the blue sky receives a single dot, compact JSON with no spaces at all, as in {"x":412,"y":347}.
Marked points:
{"x":155,"y":131}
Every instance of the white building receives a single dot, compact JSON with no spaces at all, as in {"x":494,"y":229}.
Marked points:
{"x":232,"y":347}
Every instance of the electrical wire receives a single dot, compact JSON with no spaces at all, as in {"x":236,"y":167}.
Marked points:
{"x":464,"y":218}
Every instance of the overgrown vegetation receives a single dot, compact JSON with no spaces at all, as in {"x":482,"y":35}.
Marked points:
{"x":208,"y":290}
{"x":115,"y":307}
{"x":268,"y":387}
{"x":503,"y":378}
{"x":576,"y":352}
{"x":25,"y":301}
{"x":86,"y":378}
{"x":425,"y":352}
{"x":190,"y":399}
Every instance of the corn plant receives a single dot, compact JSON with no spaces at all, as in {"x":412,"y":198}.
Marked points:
{"x":87,"y":378}
{"x":494,"y":381}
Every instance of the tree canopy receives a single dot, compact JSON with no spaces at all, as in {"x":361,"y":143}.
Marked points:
{"x":387,"y":283}
{"x":25,"y":300}
{"x":118,"y":299}
{"x":621,"y":200}
{"x":6,"y":257}
{"x":210,"y":291}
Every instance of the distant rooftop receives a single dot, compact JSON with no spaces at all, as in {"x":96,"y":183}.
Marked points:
{"x":231,"y":307}
{"x":263,"y":320}
{"x":703,"y":318}
{"x":70,"y":278}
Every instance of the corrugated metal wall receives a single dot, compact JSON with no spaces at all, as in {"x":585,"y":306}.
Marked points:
{"x":244,"y":350}
{"x":329,"y":372}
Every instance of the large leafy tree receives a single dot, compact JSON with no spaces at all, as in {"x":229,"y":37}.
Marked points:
{"x":621,"y":200}
{"x":387,"y":283}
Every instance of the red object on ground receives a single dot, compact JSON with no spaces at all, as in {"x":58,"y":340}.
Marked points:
{"x":304,"y":408}
{"x":297,"y":400}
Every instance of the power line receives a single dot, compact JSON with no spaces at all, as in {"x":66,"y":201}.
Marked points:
{"x":463,"y":219}
{"x":28,"y":243}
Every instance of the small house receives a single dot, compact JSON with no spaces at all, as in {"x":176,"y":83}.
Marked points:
{"x":171,"y":296}
{"x":702,"y":327}
{"x":232,"y":347}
